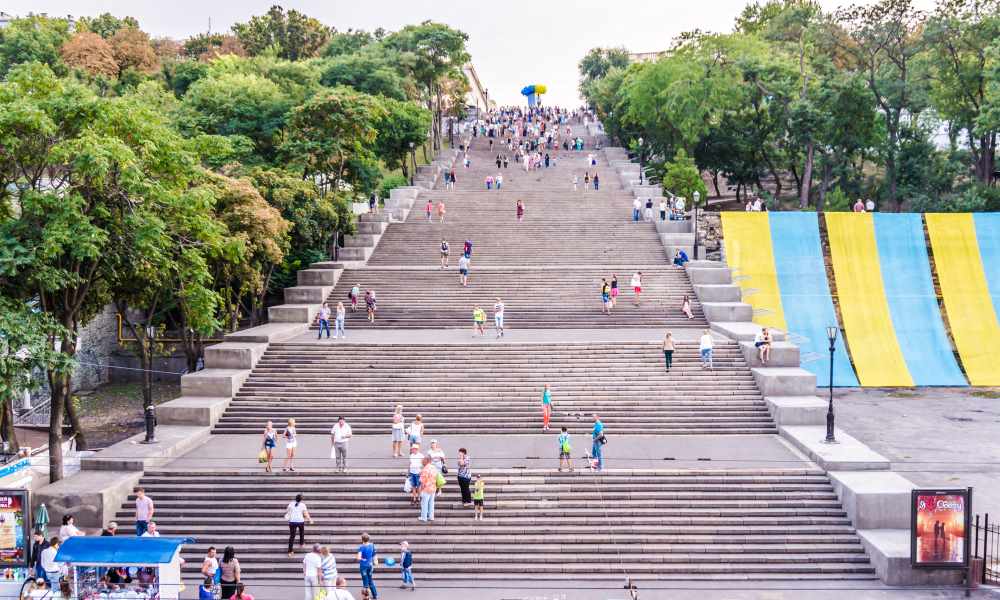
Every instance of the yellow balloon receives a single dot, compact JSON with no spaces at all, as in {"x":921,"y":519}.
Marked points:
{"x":540,"y":88}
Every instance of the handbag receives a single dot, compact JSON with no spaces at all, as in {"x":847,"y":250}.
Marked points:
{"x":444,"y":469}
{"x":262,"y":456}
{"x":407,"y":486}
{"x":440,"y":481}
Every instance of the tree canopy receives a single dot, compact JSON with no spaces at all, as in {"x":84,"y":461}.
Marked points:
{"x":852,"y":101}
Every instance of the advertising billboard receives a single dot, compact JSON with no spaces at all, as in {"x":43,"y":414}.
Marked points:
{"x":15,"y":538}
{"x":939,"y":528}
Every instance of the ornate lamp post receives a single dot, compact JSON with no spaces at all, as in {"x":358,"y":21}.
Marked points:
{"x":641,"y":162}
{"x":831,"y":334}
{"x":413,"y":162}
{"x":696,"y":200}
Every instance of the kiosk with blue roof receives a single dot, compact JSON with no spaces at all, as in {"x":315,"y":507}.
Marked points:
{"x":112,"y":567}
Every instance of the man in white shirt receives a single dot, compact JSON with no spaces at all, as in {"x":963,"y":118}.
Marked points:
{"x":151,"y":531}
{"x":498,"y":316}
{"x":310,"y":572}
{"x":870,"y":205}
{"x":340,"y":434}
{"x":679,"y":208}
{"x":636,"y":208}
{"x":48,"y":562}
{"x":416,"y":463}
{"x":705,"y":346}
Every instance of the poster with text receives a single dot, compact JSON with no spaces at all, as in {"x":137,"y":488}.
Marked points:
{"x":939,"y":529}
{"x":13,"y":528}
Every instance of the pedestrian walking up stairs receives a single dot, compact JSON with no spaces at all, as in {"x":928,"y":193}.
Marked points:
{"x":539,"y":525}
{"x":497,"y":389}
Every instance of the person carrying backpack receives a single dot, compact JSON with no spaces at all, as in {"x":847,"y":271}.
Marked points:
{"x":564,"y":451}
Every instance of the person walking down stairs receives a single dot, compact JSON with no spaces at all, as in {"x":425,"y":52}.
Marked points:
{"x":367,"y":558}
{"x":705,"y":348}
{"x":597,"y":447}
{"x":498,"y":309}
{"x":546,"y":407}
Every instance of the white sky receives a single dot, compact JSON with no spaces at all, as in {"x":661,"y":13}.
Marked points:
{"x":513,"y":42}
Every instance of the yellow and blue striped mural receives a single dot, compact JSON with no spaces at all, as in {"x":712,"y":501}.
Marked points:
{"x":891,"y":318}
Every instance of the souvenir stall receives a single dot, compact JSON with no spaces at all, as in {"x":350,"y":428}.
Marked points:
{"x":15,"y":538}
{"x":124,"y":568}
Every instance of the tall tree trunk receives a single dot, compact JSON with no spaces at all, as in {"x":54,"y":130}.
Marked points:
{"x":824,"y":186}
{"x":59,"y":385}
{"x":7,"y":424}
{"x":75,"y":425}
{"x":715,"y":183}
{"x":796,"y":178}
{"x":807,"y":173}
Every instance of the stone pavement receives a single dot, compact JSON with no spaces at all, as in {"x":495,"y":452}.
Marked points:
{"x":388,"y":586}
{"x":933,"y":436}
{"x":232,"y":452}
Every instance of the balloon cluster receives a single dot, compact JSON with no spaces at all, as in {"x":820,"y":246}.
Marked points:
{"x":532,"y":92}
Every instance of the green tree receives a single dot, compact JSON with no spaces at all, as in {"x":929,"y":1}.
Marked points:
{"x":106,"y":25}
{"x":348,"y":42}
{"x":367,"y":72}
{"x":83,"y":171}
{"x":958,"y":36}
{"x":598,"y":62}
{"x":234,"y":104}
{"x":329,"y":132}
{"x":25,"y":347}
{"x":291,"y":34}
{"x":883,"y":42}
{"x":401,"y":126}
{"x":36,"y":38}
{"x":682,"y":177}
{"x":432,"y":52}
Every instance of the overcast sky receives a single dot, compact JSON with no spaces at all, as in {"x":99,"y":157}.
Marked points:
{"x":513,"y":42}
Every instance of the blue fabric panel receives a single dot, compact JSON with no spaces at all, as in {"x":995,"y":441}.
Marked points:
{"x":913,"y":306}
{"x":988,"y":236}
{"x":805,"y":296}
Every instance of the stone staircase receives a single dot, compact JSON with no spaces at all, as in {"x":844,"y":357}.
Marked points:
{"x":533,"y":297}
{"x":539,"y":525}
{"x":726,"y":524}
{"x":497,"y":389}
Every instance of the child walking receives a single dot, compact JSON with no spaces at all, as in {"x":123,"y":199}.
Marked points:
{"x":406,"y":565}
{"x":479,"y":496}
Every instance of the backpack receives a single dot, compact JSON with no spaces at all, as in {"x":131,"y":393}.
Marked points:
{"x":565,"y":447}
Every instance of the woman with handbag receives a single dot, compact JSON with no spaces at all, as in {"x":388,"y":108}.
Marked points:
{"x":270,"y":441}
{"x":465,"y":476}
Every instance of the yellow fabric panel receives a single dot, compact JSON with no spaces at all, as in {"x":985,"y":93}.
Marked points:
{"x":967,"y":299}
{"x":750,"y":256}
{"x":871,"y":337}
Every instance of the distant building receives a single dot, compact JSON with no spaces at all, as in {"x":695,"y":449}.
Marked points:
{"x":478,"y":96}
{"x":645,"y":56}
{"x":5,"y":19}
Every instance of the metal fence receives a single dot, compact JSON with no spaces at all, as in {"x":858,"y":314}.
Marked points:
{"x":986,"y":545}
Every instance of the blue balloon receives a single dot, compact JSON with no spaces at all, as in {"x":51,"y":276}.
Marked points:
{"x":390,"y":561}
{"x":528,"y":90}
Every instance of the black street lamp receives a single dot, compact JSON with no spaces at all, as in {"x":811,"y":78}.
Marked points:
{"x":695,"y":200}
{"x":640,"y":160}
{"x":413,"y":163}
{"x":831,"y":334}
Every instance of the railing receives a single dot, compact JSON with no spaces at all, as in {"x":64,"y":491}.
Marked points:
{"x":986,"y":545}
